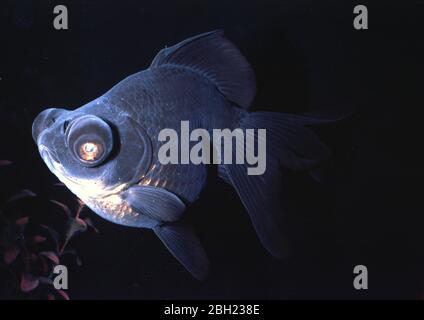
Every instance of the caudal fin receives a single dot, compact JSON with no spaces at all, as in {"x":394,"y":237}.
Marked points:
{"x":289,"y":143}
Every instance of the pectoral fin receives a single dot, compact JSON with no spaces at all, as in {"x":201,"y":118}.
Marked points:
{"x":186,"y":248}
{"x":155,"y":203}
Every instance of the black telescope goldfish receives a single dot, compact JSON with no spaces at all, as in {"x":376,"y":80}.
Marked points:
{"x":108,"y":152}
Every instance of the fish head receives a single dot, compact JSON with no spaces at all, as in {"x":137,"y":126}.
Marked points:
{"x":95,"y":152}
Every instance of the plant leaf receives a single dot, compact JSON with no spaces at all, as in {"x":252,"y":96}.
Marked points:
{"x":81,"y":206}
{"x":44,"y":266}
{"x":54,"y":234}
{"x":51,"y":256}
{"x":63,"y":294}
{"x":28,"y":282}
{"x":22,"y":221}
{"x":64,"y":207}
{"x":90,"y":223}
{"x":25,"y":193}
{"x":78,"y":261}
{"x":39,"y":239}
{"x":74,"y":226}
{"x":5,"y":163}
{"x":45,"y":280}
{"x":11,"y":254}
{"x":74,"y":253}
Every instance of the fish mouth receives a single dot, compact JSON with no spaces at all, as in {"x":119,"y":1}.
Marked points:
{"x":45,"y":120}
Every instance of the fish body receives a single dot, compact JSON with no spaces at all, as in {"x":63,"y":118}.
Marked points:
{"x":107,"y":151}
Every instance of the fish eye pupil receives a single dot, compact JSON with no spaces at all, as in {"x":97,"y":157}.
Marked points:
{"x":89,"y":147}
{"x":90,"y":151}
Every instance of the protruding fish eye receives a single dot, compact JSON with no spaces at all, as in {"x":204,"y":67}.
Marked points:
{"x":90,"y":140}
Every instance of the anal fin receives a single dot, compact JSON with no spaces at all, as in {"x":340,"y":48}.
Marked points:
{"x":185,"y":247}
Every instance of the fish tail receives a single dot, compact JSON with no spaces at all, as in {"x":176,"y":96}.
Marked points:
{"x":289,"y":143}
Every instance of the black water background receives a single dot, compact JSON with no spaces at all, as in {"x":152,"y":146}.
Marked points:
{"x":307,"y":56}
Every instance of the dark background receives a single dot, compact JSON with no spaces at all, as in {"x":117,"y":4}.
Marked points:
{"x":307,"y":57}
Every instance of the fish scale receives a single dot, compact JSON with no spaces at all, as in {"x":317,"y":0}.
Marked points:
{"x":166,"y":107}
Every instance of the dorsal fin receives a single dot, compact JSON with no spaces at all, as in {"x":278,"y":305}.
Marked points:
{"x":214,"y":57}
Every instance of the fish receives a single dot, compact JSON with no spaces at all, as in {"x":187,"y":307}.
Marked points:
{"x":106,"y":151}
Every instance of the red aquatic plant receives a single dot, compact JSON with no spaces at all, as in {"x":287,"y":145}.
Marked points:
{"x":29,"y":250}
